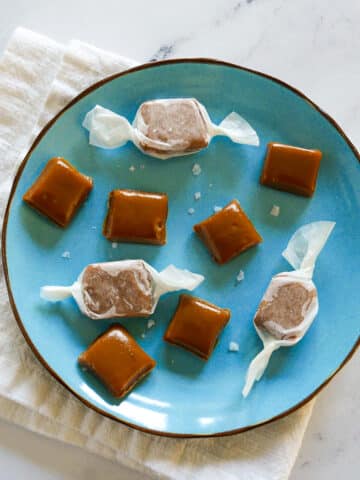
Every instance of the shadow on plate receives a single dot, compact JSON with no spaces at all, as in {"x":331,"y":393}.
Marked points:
{"x":42,"y":230}
{"x":217,"y":276}
{"x":180,"y":360}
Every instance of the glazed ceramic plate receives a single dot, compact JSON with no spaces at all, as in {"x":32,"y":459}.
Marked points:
{"x":185,"y":395}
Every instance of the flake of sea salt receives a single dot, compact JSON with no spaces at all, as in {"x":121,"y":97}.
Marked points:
{"x":196,"y":169}
{"x":240,"y":276}
{"x":150,"y":323}
{"x":275,"y":211}
{"x":233,"y":347}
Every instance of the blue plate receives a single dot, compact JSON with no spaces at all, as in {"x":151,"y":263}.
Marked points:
{"x":185,"y":395}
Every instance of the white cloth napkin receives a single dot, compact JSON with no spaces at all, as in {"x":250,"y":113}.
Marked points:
{"x":37,"y":78}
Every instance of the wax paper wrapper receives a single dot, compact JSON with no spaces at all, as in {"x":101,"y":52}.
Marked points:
{"x":290,"y":303}
{"x":165,"y":128}
{"x":126,"y":288}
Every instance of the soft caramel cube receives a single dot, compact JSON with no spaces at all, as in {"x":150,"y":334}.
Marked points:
{"x":59,"y":191}
{"x":228,"y":232}
{"x":117,"y":360}
{"x":196,"y":325}
{"x":292,"y":169}
{"x":135,"y":216}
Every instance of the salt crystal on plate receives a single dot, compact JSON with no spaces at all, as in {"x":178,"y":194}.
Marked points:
{"x":240,"y":276}
{"x":66,"y":254}
{"x":210,"y":185}
{"x":143,"y":335}
{"x":191,"y":211}
{"x":196,"y":169}
{"x":132,"y":168}
{"x":150,"y":323}
{"x":93,"y":227}
{"x":114,"y":245}
{"x":217,"y":208}
{"x":275,"y":211}
{"x":233,"y":347}
{"x":197,"y":195}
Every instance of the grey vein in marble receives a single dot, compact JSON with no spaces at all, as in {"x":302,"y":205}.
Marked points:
{"x":165,"y":51}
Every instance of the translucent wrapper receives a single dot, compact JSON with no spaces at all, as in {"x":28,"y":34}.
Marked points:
{"x":165,"y":128}
{"x":290,"y":303}
{"x":127,"y":288}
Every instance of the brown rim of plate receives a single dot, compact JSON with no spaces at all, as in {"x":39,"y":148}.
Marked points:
{"x":6,"y":215}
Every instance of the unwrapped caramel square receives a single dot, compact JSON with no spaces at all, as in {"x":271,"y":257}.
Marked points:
{"x":228,"y":232}
{"x":135,"y":216}
{"x":59,"y":191}
{"x":196,"y":325}
{"x":292,"y":169}
{"x":117,"y":360}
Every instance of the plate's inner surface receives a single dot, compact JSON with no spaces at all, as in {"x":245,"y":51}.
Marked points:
{"x":185,"y":394}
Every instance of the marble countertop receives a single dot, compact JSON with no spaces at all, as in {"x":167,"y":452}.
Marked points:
{"x":312,"y":45}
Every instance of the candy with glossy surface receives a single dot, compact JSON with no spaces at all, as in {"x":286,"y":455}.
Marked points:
{"x":228,"y":232}
{"x":117,"y":360}
{"x":135,"y":216}
{"x":292,"y":169}
{"x":197,"y":325}
{"x":59,"y":191}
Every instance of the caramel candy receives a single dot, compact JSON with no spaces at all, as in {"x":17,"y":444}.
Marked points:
{"x":290,"y":302}
{"x":165,"y":128}
{"x":228,"y":232}
{"x":173,"y":127}
{"x":124,"y":292}
{"x":284,"y":310}
{"x":135,"y":216}
{"x":117,"y":360}
{"x":126,"y":288}
{"x":291,"y":169}
{"x":196,"y":325}
{"x":59,"y":191}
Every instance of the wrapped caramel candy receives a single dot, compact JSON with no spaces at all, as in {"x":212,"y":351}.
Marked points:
{"x":165,"y":128}
{"x":126,"y":288}
{"x":290,"y":303}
